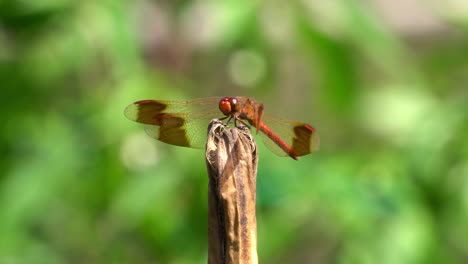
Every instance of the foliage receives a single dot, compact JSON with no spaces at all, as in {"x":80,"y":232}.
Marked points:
{"x":81,"y":184}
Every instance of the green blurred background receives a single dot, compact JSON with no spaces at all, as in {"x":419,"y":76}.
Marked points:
{"x":384,"y":82}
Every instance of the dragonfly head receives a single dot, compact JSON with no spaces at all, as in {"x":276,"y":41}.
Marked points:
{"x":229,"y":105}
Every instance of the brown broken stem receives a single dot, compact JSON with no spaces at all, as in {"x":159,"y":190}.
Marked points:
{"x":231,"y":158}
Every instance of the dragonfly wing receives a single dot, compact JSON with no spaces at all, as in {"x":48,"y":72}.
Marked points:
{"x":189,"y":133}
{"x":301,"y":137}
{"x":181,"y":123}
{"x":272,"y":146}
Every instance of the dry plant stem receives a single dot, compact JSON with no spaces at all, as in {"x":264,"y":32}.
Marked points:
{"x":231,"y":158}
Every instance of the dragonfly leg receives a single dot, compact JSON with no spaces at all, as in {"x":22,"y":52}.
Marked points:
{"x":228,"y":121}
{"x":240,"y":121}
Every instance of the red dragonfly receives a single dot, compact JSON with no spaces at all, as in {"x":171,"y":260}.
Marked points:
{"x":185,"y":123}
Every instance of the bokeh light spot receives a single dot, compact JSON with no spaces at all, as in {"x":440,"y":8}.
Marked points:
{"x":246,"y":68}
{"x":138,"y":151}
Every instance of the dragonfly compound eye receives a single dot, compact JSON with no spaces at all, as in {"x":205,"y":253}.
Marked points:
{"x":226,"y":106}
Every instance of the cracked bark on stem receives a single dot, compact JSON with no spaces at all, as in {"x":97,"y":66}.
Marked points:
{"x":231,"y":158}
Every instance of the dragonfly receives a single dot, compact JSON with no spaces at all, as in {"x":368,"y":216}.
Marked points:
{"x":184,"y":123}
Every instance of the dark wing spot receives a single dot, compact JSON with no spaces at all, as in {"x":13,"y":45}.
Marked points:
{"x":148,"y":110}
{"x":172,"y":130}
{"x":301,"y":141}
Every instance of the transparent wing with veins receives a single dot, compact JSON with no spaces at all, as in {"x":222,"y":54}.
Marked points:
{"x":176,"y":122}
{"x":296,"y":134}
